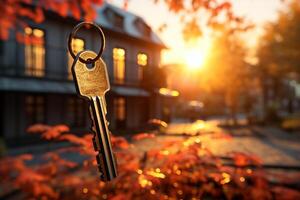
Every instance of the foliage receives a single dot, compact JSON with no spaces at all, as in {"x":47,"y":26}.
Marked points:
{"x":16,"y":13}
{"x":178,"y":169}
{"x":279,"y":56}
{"x":226,"y":71}
{"x":279,"y":49}
{"x":195,"y":14}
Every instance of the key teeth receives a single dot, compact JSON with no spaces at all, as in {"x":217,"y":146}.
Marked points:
{"x":101,"y":167}
{"x":94,"y":144}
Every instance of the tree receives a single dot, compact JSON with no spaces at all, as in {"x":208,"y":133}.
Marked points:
{"x":197,"y":13}
{"x":226,"y":71}
{"x":279,"y":53}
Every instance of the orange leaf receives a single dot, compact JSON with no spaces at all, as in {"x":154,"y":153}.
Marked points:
{"x":38,"y":128}
{"x":119,"y":142}
{"x":141,"y":136}
{"x":55,"y":131}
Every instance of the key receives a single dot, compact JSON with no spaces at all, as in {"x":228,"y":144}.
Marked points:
{"x":92,"y":84}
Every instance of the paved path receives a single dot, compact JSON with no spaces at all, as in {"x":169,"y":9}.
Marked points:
{"x":273,"y":146}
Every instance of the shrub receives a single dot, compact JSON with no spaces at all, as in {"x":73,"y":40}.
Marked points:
{"x":178,"y":169}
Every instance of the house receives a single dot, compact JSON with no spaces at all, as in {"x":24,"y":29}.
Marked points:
{"x":36,"y":84}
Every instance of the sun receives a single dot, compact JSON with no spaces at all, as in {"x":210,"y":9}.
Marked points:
{"x":195,"y":56}
{"x":194,"y":59}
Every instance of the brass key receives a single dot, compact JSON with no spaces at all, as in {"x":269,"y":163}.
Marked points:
{"x":93,"y":84}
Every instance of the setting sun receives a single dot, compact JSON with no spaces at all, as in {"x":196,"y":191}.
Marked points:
{"x":194,"y":59}
{"x":195,"y":56}
{"x":192,"y":55}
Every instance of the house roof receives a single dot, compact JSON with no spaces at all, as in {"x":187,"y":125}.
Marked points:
{"x":130,"y":27}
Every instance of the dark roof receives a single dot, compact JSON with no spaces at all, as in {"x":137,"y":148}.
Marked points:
{"x":129,"y":26}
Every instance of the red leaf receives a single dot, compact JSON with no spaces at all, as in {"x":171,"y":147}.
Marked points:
{"x":75,"y":10}
{"x":141,"y":136}
{"x":55,"y":131}
{"x":38,"y":128}
{"x":39,"y":15}
{"x":119,"y":142}
{"x":40,"y":189}
{"x":63,"y":8}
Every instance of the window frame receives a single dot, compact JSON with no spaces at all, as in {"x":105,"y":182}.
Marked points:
{"x":34,"y":106}
{"x":78,"y":105}
{"x":120,"y":123}
{"x":33,"y":69}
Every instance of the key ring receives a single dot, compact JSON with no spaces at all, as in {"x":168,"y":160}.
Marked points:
{"x":72,"y":35}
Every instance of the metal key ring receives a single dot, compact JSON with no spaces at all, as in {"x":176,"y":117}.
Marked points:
{"x":72,"y":35}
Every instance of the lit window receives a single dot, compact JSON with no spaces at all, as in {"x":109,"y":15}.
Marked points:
{"x":77,"y":46}
{"x":120,"y":109}
{"x":34,"y":52}
{"x":34,"y":109}
{"x":142,"y":60}
{"x":119,"y":65}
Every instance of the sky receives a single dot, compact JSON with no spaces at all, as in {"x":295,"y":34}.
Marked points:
{"x":257,"y":11}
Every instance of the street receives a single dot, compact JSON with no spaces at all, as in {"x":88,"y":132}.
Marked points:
{"x":271,"y":145}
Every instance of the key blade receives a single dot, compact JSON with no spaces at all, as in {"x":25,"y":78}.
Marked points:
{"x":90,"y":82}
{"x":102,"y":143}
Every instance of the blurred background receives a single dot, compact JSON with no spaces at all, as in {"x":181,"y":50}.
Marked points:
{"x":204,"y":100}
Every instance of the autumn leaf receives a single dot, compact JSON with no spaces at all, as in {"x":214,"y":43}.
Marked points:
{"x":242,"y":160}
{"x":141,"y":136}
{"x":40,"y":189}
{"x":38,"y":128}
{"x":120,"y":197}
{"x":119,"y":142}
{"x":192,"y":31}
{"x":55,"y":131}
{"x":39,"y":15}
{"x":28,"y":176}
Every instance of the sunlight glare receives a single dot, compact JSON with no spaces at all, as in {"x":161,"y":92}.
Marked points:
{"x":195,"y":56}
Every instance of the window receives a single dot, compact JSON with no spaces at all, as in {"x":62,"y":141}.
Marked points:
{"x":77,"y":46}
{"x":114,"y":18}
{"x":142,"y":60}
{"x":142,"y":27}
{"x":118,"y":21}
{"x":119,"y":65}
{"x":35,"y":109}
{"x":120,"y":108}
{"x":34,"y":52}
{"x":76,"y":112}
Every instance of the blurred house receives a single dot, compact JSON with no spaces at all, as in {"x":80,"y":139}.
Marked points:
{"x":36,"y":85}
